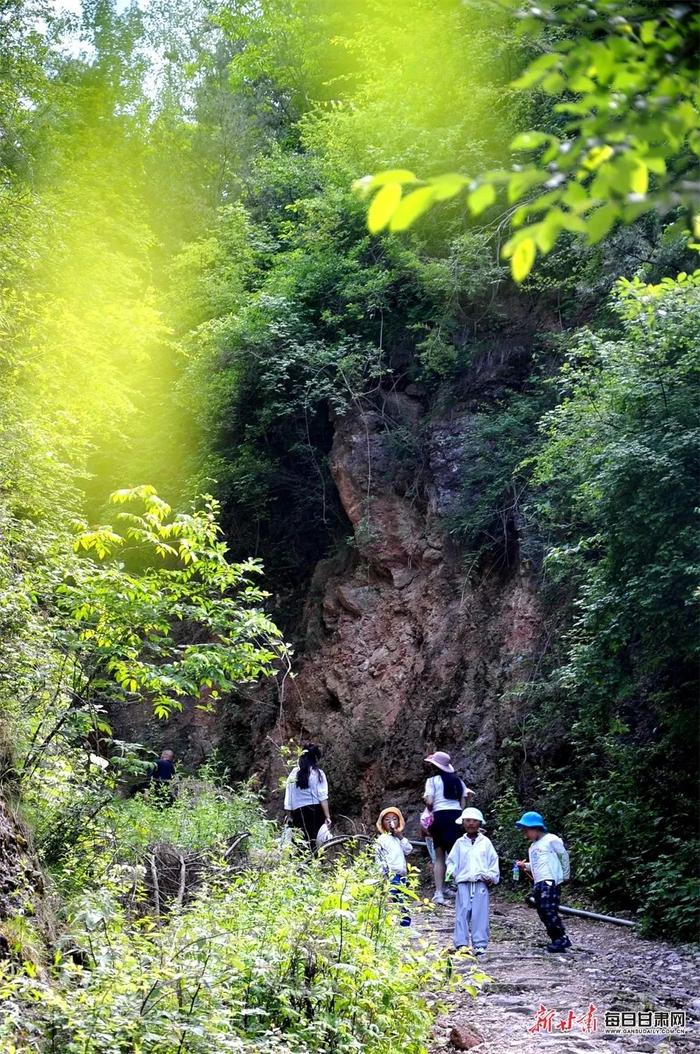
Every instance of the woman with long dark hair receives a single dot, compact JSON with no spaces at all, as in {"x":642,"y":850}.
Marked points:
{"x":306,"y":794}
{"x":446,"y":796}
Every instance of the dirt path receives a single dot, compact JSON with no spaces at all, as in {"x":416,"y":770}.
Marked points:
{"x":608,"y":967}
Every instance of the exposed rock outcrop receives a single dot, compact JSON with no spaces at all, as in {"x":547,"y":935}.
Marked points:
{"x":404,"y":653}
{"x":20,"y":877}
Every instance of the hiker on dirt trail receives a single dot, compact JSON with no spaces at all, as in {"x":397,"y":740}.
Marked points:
{"x":445,"y":796}
{"x":306,"y":794}
{"x":548,"y":867}
{"x":390,"y":852}
{"x":473,"y":862}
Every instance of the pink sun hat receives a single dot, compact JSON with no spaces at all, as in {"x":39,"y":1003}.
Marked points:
{"x":442,"y":760}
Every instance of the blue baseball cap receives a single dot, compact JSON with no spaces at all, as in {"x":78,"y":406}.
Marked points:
{"x":531,"y":819}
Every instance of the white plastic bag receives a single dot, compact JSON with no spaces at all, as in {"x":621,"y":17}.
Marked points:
{"x":324,"y":835}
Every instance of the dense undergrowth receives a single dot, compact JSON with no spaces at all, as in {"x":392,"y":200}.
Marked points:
{"x":268,"y":951}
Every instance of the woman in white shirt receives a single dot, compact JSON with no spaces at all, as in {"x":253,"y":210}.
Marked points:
{"x":306,"y":794}
{"x":446,"y":796}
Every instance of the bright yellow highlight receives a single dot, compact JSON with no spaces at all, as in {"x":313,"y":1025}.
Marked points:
{"x":96,"y":340}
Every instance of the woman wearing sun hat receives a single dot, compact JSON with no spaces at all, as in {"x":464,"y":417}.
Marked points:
{"x":446,"y":796}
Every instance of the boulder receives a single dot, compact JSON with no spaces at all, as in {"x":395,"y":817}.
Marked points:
{"x":462,"y":1038}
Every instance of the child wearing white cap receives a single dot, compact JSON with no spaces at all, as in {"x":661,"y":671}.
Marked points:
{"x":473,"y":862}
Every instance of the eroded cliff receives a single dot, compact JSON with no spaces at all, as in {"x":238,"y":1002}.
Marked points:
{"x":404,"y":650}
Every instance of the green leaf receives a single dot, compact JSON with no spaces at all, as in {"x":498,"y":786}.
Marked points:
{"x":576,"y":197}
{"x":536,"y":70}
{"x":448,"y":185}
{"x":553,"y":83}
{"x":547,"y":231}
{"x":367,"y":184}
{"x":639,"y":180}
{"x":648,"y":31}
{"x":392,"y":175}
{"x":523,"y":258}
{"x":530,"y":140}
{"x":656,"y":165}
{"x":481,"y":198}
{"x":598,"y":223}
{"x":411,"y":207}
{"x":571,"y":222}
{"x":520,"y":182}
{"x":384,"y":205}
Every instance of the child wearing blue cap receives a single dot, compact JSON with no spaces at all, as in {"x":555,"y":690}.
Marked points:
{"x":548,"y":866}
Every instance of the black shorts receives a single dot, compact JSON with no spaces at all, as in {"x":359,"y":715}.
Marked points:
{"x":309,"y":819}
{"x":444,"y":829}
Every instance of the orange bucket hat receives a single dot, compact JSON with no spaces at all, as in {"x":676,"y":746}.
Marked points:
{"x":387,"y":812}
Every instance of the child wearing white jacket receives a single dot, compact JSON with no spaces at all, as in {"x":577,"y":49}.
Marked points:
{"x":390,"y":851}
{"x":473,"y":863}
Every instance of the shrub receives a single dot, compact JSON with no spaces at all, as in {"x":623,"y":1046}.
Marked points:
{"x":289,"y":958}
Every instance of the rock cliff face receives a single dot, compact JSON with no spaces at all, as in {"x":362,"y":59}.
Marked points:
{"x":402,"y":651}
{"x":404,"y":654}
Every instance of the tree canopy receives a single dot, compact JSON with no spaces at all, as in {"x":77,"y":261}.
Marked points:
{"x":623,"y":140}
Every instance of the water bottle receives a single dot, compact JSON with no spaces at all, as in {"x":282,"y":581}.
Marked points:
{"x":516,"y":871}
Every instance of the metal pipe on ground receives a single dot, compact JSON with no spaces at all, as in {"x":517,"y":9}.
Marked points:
{"x":578,"y":912}
{"x":581,"y":914}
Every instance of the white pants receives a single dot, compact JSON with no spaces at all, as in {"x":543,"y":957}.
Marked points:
{"x":472,"y":915}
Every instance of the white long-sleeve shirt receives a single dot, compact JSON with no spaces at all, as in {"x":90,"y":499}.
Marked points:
{"x":297,"y":797}
{"x":474,"y":861}
{"x":390,"y":853}
{"x":435,"y":791}
{"x":549,"y":860}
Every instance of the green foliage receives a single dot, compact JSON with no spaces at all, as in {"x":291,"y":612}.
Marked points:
{"x":622,"y":437}
{"x":286,"y":959}
{"x":631,"y":136}
{"x":201,"y":817}
{"x":626,"y":139}
{"x":280,"y":954}
{"x":506,"y":810}
{"x":328,"y":321}
{"x":670,"y":890}
{"x":189,"y":289}
{"x":617,"y":506}
{"x":492,"y":520}
{"x":156,"y":577}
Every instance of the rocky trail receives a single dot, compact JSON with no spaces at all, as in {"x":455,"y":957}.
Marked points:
{"x":609,"y":968}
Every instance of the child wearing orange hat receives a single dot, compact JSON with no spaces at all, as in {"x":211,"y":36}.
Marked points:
{"x":390,"y":851}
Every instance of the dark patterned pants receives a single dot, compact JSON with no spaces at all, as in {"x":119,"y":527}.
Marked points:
{"x":547,"y":898}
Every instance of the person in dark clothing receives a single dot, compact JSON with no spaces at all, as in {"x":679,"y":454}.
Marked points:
{"x":162,"y":776}
{"x":164,"y":769}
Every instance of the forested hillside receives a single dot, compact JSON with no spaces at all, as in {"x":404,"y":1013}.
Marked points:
{"x":348,"y":393}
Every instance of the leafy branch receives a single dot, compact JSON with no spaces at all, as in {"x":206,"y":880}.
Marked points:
{"x":627,"y":77}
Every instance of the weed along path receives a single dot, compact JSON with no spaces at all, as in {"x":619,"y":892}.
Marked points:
{"x":609,"y":969}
